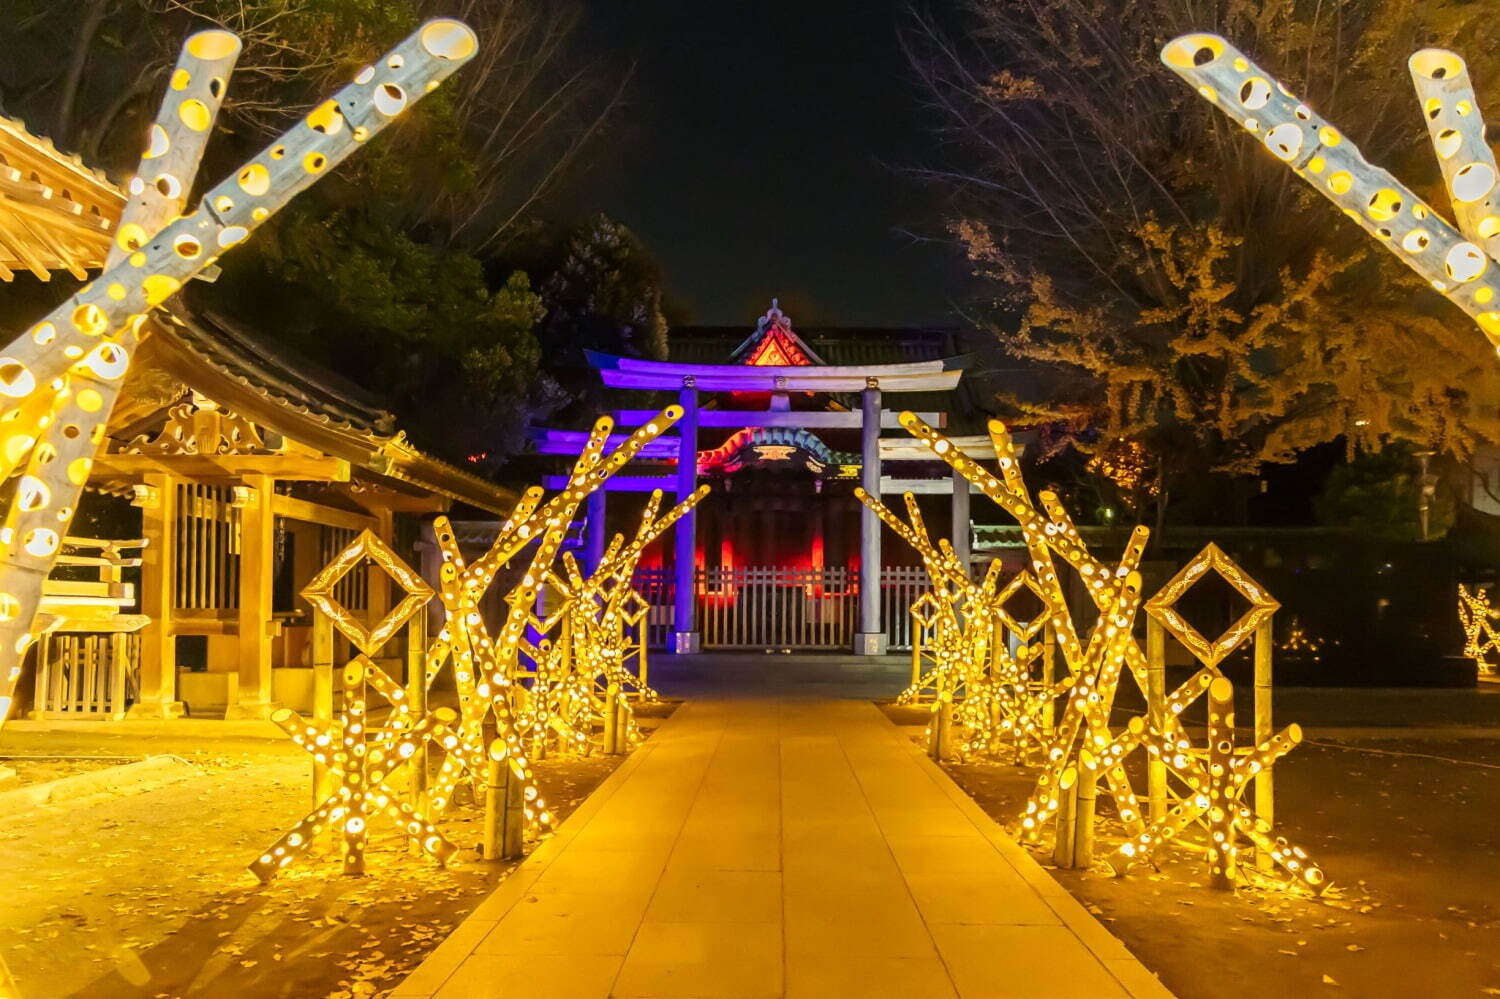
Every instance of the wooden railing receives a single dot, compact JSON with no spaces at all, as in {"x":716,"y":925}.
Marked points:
{"x":757,"y":607}
{"x":771,"y":607}
{"x":900,"y":586}
{"x":88,"y":660}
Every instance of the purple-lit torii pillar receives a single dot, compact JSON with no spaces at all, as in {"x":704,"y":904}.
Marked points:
{"x":594,"y":532}
{"x":870,"y":639}
{"x":685,"y":637}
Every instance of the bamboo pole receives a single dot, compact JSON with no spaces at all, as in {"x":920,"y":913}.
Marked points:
{"x":1062,"y":841}
{"x":416,"y":694}
{"x":1265,"y":794}
{"x":1083,"y":816}
{"x":322,"y":664}
{"x":612,"y":720}
{"x":1156,"y":714}
{"x":1222,"y":851}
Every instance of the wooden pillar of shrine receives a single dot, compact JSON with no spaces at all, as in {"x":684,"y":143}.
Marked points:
{"x":379,"y":603}
{"x":685,"y":636}
{"x":870,"y":639}
{"x":257,"y":625}
{"x":158,"y":679}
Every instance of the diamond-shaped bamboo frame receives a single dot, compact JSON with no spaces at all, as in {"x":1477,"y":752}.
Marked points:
{"x":1163,"y":606}
{"x":319,"y":592}
{"x":1022,"y":580}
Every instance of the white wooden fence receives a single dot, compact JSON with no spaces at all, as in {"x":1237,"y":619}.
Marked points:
{"x":773,"y":607}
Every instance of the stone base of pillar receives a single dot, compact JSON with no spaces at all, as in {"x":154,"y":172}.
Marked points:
{"x":686,"y":643}
{"x":155,"y":710}
{"x":250,"y":711}
{"x":870,"y":643}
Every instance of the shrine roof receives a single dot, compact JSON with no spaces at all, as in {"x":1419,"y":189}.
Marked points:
{"x":55,"y":212}
{"x":282,"y":392}
{"x":841,"y":346}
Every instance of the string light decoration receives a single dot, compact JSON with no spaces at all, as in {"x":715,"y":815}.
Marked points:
{"x":1083,"y":748}
{"x":952,"y":612}
{"x":1481,"y":641}
{"x":367,"y":548}
{"x":1454,"y":260}
{"x":60,"y":379}
{"x":1163,"y":606}
{"x":1300,"y":642}
{"x":359,"y":759}
{"x":1215,"y":778}
{"x":485,"y":667}
{"x":571,"y":691}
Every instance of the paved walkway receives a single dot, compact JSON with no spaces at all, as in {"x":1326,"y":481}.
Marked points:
{"x":779,"y":847}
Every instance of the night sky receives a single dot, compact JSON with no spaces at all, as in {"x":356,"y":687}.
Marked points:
{"x":759,"y":156}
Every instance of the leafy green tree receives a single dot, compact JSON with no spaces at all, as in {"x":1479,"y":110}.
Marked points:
{"x":1380,"y":493}
{"x":1179,"y":290}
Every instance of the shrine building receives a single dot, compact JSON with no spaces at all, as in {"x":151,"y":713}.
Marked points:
{"x":784,"y":426}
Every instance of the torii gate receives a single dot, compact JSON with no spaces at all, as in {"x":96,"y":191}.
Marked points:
{"x":61,"y":378}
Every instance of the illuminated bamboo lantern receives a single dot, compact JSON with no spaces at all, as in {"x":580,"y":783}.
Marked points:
{"x":1216,"y":777}
{"x":593,"y":619}
{"x":1481,"y":641}
{"x":1453,"y":261}
{"x":485,"y":666}
{"x":359,"y":760}
{"x":77,"y":356}
{"x":1456,"y":129}
{"x":1082,"y":748}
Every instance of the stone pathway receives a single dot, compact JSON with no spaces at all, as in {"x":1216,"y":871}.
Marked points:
{"x":780,"y":847}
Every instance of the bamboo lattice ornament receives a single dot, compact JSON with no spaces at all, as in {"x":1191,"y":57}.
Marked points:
{"x":359,"y":758}
{"x":1004,"y":707}
{"x":320,"y":592}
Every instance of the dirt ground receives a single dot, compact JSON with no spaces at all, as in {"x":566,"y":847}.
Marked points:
{"x":147,"y":895}
{"x":1406,"y":831}
{"x":41,"y":769}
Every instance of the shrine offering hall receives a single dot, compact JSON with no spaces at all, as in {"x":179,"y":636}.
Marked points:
{"x":784,"y":428}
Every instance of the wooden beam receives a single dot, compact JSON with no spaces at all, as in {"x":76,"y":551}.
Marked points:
{"x":922,"y":487}
{"x":316,"y":513}
{"x":217,"y":467}
{"x":911,"y":449}
{"x":725,"y":378}
{"x":379,"y":499}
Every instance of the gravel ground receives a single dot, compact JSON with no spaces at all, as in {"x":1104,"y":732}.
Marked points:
{"x":147,"y":895}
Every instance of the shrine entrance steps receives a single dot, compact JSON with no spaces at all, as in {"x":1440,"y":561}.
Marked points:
{"x":779,"y":846}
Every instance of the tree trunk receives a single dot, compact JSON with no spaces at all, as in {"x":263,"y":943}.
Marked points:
{"x":88,"y":27}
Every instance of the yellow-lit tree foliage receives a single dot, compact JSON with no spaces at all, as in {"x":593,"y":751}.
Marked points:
{"x":1185,"y":292}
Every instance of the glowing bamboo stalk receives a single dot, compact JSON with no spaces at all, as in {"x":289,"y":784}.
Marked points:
{"x":1317,"y":152}
{"x":81,"y":340}
{"x":1457,"y":131}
